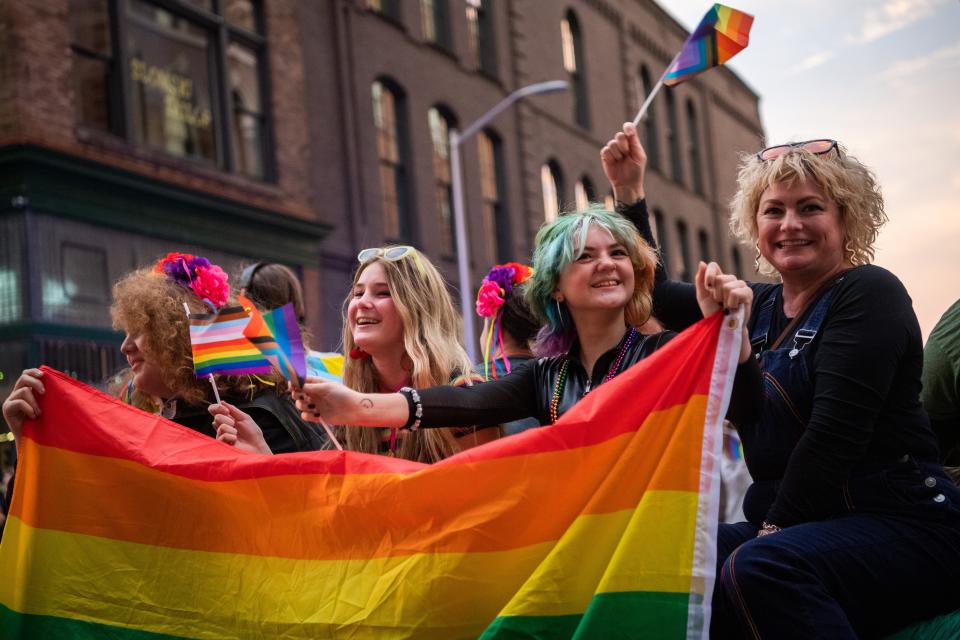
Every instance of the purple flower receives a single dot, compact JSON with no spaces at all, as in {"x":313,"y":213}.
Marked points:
{"x":503,"y":276}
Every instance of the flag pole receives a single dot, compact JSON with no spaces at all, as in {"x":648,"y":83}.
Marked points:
{"x":656,"y":89}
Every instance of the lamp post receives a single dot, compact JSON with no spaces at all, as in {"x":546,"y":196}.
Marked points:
{"x":459,"y":216}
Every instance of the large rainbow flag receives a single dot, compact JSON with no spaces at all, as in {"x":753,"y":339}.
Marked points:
{"x":722,"y":33}
{"x":125,"y":525}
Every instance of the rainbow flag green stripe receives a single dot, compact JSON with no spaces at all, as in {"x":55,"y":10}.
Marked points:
{"x":124,"y":525}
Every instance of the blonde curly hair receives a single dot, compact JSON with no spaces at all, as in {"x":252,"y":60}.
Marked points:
{"x":433,"y":341}
{"x":843,"y":178}
{"x":149,"y":304}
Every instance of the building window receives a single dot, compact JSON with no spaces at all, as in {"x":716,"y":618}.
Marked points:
{"x":572,"y":48}
{"x":388,"y":116}
{"x":660,"y":233}
{"x":435,"y":22}
{"x":440,"y":124}
{"x":703,"y":240}
{"x":673,"y":138}
{"x":735,"y":261}
{"x":495,"y":221}
{"x":184,"y":77}
{"x":480,"y":27}
{"x":684,"y":242}
{"x":650,"y":121}
{"x":551,"y":184}
{"x":693,"y":148}
{"x":388,"y":8}
{"x":583,"y":193}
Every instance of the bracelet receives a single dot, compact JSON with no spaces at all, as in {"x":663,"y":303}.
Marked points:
{"x":416,"y":408}
{"x":766,"y":528}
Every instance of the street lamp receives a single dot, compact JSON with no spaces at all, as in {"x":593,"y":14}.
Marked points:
{"x":459,"y":217}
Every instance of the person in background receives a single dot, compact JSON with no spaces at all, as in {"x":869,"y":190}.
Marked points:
{"x":509,"y":328}
{"x":941,"y":385}
{"x":270,"y":285}
{"x":853,"y":527}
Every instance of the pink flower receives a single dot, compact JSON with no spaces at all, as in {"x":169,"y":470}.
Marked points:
{"x":210,"y":283}
{"x":489,"y":299}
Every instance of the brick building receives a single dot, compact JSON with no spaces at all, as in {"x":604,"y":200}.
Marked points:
{"x":303,"y":130}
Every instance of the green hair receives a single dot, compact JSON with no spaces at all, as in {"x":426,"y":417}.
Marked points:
{"x":558,"y":244}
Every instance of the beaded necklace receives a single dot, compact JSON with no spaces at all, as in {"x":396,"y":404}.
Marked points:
{"x":611,"y":374}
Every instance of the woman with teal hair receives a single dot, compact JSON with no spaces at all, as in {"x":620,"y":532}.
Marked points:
{"x":591,"y":286}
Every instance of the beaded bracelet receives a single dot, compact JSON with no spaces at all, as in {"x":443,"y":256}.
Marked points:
{"x":416,"y":408}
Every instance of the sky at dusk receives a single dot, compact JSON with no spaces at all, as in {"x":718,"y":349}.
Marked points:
{"x":882,"y":77}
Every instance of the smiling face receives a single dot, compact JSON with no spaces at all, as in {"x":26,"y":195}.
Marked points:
{"x":799,"y":230}
{"x":147,"y":375}
{"x":374,"y":320}
{"x":600,"y":278}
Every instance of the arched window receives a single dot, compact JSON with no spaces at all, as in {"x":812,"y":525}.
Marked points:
{"x":686,"y":273}
{"x":703,"y":240}
{"x":649,"y":139}
{"x":660,"y":233}
{"x":480,"y":28}
{"x":389,"y":118}
{"x":435,"y":22}
{"x":572,"y":48}
{"x":551,"y":183}
{"x":441,"y":121}
{"x":673,"y":138}
{"x":583,"y":193}
{"x":693,"y":147}
{"x":496,"y":224}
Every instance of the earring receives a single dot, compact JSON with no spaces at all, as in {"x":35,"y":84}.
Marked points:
{"x":359,"y":354}
{"x":848,"y":252}
{"x":756,"y":260}
{"x":559,"y":312}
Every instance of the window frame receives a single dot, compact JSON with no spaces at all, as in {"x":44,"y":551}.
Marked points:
{"x":221,"y":34}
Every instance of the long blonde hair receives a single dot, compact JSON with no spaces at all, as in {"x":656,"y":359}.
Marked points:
{"x":432,"y":340}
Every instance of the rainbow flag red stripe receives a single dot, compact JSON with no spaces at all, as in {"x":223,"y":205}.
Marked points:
{"x":129,"y":526}
{"x":722,"y":33}
{"x":219,"y":345}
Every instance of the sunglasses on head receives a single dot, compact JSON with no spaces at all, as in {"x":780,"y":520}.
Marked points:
{"x":387,"y":253}
{"x":816,"y":147}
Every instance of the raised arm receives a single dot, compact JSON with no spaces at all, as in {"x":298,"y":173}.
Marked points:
{"x":624,"y":163}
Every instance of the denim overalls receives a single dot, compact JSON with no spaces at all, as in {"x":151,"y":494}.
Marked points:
{"x":889,"y":556}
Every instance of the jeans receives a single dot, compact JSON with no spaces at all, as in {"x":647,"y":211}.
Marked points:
{"x":891,"y":559}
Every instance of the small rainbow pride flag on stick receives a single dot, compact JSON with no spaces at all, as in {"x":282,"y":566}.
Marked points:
{"x":722,"y":33}
{"x":220,"y":346}
{"x":276,"y":335}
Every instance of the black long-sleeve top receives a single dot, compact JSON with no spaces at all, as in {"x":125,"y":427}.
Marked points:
{"x":528,"y":390}
{"x":865,"y":366}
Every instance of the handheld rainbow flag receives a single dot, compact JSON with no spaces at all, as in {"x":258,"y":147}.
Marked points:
{"x":277,"y":335}
{"x":127,"y":525}
{"x":722,"y":33}
{"x":220,"y":346}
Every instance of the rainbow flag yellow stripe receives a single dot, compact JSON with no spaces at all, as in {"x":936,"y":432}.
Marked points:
{"x":125,"y":525}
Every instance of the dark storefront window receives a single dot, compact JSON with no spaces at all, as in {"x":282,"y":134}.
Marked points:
{"x":181,"y":76}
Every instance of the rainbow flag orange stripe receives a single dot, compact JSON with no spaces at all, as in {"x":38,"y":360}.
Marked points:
{"x":722,"y":33}
{"x":219,"y":346}
{"x":129,"y":526}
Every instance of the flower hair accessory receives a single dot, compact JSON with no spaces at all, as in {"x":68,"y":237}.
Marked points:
{"x":207,"y":281}
{"x":496,"y":286}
